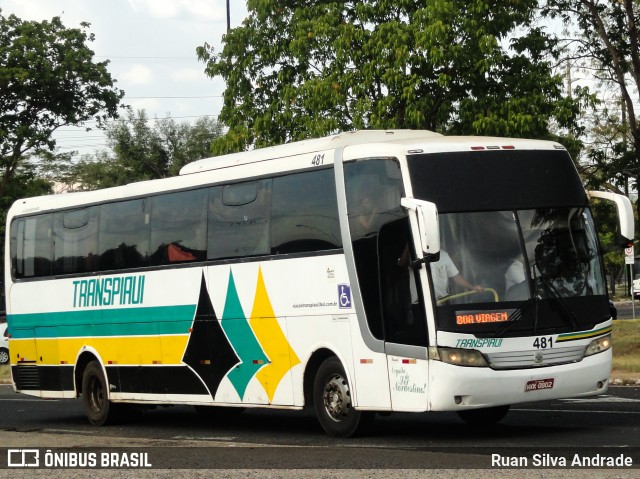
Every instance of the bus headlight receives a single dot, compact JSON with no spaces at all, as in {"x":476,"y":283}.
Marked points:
{"x":598,"y":345}
{"x":461,"y":357}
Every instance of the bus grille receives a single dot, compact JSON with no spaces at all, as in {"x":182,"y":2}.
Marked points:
{"x":27,"y":377}
{"x":537,"y":358}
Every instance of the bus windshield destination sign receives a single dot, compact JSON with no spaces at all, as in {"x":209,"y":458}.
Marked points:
{"x":479,"y":317}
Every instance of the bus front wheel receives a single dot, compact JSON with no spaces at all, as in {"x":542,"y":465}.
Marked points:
{"x":484,"y":416}
{"x":332,"y":401}
{"x":95,"y":395}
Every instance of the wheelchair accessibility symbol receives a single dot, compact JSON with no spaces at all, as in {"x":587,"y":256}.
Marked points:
{"x":344,"y":296}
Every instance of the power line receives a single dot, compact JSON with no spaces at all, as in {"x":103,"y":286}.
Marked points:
{"x":72,"y":128}
{"x":73,"y":147}
{"x":171,"y":97}
{"x":108,"y":57}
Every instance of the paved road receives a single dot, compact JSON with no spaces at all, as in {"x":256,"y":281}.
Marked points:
{"x":605,"y":425}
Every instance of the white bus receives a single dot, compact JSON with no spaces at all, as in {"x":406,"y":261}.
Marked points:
{"x":307,"y":275}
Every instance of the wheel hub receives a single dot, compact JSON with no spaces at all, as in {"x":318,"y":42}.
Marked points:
{"x":337,"y":398}
{"x":96,"y":395}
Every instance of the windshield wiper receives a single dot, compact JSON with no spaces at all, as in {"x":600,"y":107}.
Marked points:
{"x":553,"y":292}
{"x":514,"y":318}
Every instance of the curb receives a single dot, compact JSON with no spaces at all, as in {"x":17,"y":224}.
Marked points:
{"x":624,"y":382}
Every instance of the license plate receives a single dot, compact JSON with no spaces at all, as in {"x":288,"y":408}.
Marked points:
{"x":538,"y":384}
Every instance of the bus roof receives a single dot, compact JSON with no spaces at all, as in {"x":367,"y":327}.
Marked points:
{"x":406,"y":138}
{"x":340,"y":140}
{"x":367,"y":143}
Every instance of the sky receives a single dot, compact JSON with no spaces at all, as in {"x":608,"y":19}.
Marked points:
{"x":151,"y":46}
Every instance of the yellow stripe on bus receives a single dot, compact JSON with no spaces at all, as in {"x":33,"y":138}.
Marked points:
{"x":126,"y":350}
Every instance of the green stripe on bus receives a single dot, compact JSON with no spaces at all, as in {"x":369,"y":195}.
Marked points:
{"x":106,"y":322}
{"x":583,"y":334}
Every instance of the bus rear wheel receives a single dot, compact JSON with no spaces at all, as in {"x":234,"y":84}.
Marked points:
{"x":333,"y":404}
{"x":95,"y":395}
{"x":484,"y":416}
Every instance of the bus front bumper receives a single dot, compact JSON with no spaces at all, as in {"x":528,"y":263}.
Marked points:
{"x":454,"y":388}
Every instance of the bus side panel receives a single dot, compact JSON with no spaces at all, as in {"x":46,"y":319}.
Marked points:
{"x":140,"y":369}
{"x":369,"y":373}
{"x":23,"y":353}
{"x":47,"y":346}
{"x":409,"y":378}
{"x":305,"y":291}
{"x":274,"y":314}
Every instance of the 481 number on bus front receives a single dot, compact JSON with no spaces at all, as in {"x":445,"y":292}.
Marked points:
{"x":543,"y":342}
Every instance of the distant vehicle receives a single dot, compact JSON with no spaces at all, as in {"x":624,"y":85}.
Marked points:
{"x":4,"y":344}
{"x":636,"y":287}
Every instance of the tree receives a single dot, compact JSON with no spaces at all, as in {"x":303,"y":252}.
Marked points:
{"x":26,"y":181}
{"x":604,"y":41}
{"x":48,"y":79}
{"x":140,"y":151}
{"x":442,"y":65}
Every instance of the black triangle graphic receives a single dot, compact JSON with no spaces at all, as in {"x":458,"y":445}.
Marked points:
{"x":208,"y":351}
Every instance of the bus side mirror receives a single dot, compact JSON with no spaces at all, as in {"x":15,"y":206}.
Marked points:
{"x":428,"y":225}
{"x":625,"y":212}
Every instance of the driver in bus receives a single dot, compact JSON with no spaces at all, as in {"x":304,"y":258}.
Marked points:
{"x":443,"y":270}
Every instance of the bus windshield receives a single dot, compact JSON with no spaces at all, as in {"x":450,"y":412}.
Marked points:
{"x":534,"y":269}
{"x":546,"y":253}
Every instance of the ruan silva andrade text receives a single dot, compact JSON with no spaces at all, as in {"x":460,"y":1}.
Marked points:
{"x":549,"y":460}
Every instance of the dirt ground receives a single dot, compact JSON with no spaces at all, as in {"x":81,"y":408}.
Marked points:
{"x":626,"y":378}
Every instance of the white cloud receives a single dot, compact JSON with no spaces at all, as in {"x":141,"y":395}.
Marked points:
{"x":188,"y":75}
{"x":72,"y":12}
{"x":137,"y":75}
{"x":208,"y":9}
{"x":203,"y":9}
{"x":152,"y":106}
{"x":33,"y":9}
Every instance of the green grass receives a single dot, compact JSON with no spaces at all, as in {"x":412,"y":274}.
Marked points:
{"x":626,"y":346}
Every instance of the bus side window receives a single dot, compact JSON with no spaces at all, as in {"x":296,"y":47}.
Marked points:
{"x":30,"y":246}
{"x":75,"y":240}
{"x":305,"y":213}
{"x":178,"y":227}
{"x":239,"y":219}
{"x":124,"y":235}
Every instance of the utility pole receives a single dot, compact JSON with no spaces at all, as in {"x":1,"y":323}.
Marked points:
{"x":228,"y":18}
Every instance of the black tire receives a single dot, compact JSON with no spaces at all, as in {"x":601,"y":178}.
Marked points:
{"x":4,"y":356}
{"x":95,"y":395}
{"x":484,"y":416}
{"x":332,"y":402}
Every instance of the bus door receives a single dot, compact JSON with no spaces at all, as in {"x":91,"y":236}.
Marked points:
{"x":404,"y":321}
{"x":380,"y":236}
